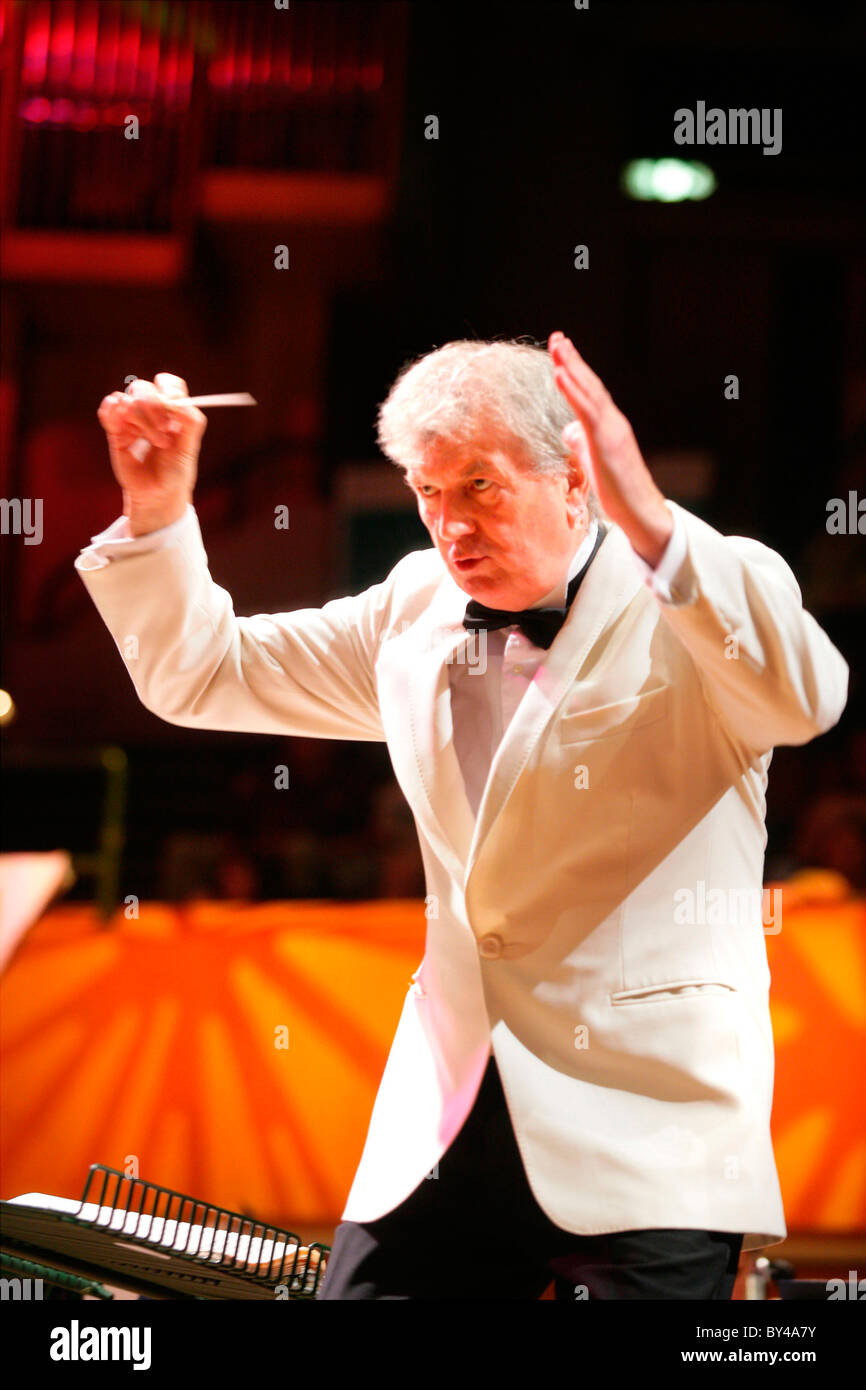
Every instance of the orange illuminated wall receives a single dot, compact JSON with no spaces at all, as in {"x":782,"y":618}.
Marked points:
{"x":162,"y":1041}
{"x":818,"y":1008}
{"x":233,"y":1052}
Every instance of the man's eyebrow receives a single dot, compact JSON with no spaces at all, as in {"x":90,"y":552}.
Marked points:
{"x":481,"y":468}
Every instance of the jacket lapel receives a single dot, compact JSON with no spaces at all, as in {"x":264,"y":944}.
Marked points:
{"x":606,"y":589}
{"x":608,"y":586}
{"x":431,"y":728}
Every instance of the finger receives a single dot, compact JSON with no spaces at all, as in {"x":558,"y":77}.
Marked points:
{"x":174,"y":393}
{"x":171,"y":386}
{"x":569,"y":355}
{"x":167,"y":395}
{"x":107,"y":409}
{"x":565,"y":354}
{"x":138,"y":448}
{"x":148,"y":420}
{"x":152,"y":399}
{"x":151,"y":405}
{"x":147,"y":404}
{"x":114,"y":417}
{"x":139,"y":389}
{"x":580,"y":402}
{"x":148,"y":411}
{"x":567,"y":368}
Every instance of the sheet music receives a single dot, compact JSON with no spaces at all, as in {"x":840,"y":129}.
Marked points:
{"x":210,"y":1261}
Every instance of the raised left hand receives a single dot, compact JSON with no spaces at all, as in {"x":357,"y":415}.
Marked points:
{"x":603,"y":442}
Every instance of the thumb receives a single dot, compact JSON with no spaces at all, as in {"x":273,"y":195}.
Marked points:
{"x":577,"y":443}
{"x":574,"y":436}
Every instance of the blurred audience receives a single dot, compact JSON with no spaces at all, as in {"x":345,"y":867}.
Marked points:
{"x":331,"y":833}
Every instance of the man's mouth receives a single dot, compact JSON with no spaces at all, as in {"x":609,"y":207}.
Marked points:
{"x":470,"y":562}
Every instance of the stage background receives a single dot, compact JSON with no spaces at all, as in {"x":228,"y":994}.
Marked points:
{"x":307,"y":130}
{"x":233,"y":1052}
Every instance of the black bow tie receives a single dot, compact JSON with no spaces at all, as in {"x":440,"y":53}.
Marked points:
{"x":541,"y":625}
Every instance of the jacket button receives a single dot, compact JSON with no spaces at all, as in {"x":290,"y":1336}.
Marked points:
{"x":490,"y":947}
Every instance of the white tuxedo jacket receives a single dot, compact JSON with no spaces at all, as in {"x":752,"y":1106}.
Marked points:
{"x":599,"y":924}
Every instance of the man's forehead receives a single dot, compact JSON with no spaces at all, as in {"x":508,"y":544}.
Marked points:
{"x":461,"y":459}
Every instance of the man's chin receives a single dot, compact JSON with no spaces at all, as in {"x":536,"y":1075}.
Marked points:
{"x":476,"y":588}
{"x":480,"y":581}
{"x":471,"y":581}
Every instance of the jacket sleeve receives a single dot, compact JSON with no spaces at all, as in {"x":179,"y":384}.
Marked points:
{"x":767,"y":668}
{"x":194,"y":663}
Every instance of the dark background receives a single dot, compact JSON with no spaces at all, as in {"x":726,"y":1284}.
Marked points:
{"x":132,"y":257}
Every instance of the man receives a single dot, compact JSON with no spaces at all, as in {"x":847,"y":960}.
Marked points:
{"x":581,"y":1080}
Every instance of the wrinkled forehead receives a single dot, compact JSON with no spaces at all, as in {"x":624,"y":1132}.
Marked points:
{"x":477,"y":441}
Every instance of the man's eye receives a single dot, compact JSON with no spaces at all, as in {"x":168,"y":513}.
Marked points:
{"x":427,"y":489}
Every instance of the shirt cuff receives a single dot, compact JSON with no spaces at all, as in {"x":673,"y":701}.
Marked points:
{"x":115,"y":542}
{"x":660,"y":579}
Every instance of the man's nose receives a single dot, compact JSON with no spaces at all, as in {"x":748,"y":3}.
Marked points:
{"x":451,"y":522}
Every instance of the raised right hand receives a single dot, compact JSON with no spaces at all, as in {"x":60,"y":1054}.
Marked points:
{"x":158,"y":487}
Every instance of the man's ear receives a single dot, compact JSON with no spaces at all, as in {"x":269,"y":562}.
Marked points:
{"x":577,"y":482}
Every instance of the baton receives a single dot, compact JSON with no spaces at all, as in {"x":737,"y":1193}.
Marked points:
{"x":141,"y":446}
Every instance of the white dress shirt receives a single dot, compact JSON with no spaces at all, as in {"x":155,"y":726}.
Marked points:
{"x":484,"y":694}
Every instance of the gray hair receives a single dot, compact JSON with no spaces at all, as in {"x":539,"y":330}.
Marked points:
{"x":507,"y":386}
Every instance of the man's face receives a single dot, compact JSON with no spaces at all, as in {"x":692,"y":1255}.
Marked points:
{"x":506,"y":534}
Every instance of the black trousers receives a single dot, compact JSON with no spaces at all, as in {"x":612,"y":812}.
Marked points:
{"x":475,"y":1231}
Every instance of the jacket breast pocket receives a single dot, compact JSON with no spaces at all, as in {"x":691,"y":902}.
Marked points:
{"x":619,"y":717}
